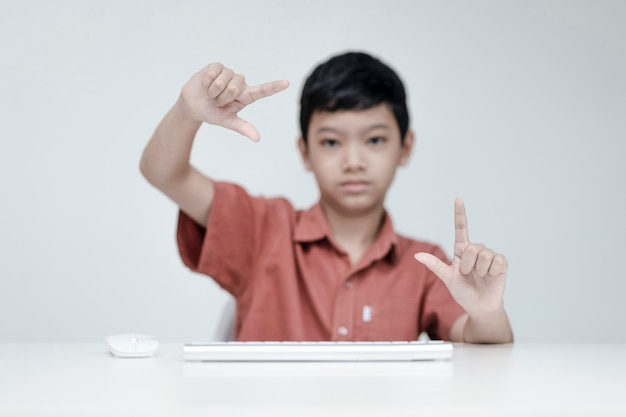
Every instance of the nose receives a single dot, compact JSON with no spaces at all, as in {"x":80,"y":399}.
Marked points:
{"x":353,"y":158}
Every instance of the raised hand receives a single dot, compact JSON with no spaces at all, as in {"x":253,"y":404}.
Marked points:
{"x":216,"y":94}
{"x":477,"y":275}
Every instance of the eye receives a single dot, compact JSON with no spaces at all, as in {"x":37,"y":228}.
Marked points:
{"x":377,"y":140}
{"x":329,"y":143}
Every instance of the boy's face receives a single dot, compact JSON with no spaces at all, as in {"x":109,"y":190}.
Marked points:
{"x":354,"y":155}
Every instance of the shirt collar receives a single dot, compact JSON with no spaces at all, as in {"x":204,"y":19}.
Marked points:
{"x":311,"y":226}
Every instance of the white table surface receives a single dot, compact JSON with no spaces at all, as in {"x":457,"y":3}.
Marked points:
{"x":501,"y":380}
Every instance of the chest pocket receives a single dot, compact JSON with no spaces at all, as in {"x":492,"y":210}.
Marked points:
{"x":391,"y":319}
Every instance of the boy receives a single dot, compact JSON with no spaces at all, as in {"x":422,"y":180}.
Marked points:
{"x":336,"y":271}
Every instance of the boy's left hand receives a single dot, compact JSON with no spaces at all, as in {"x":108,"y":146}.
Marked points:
{"x":477,"y":275}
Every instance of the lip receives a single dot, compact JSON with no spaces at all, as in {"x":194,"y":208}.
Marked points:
{"x":355,"y":186}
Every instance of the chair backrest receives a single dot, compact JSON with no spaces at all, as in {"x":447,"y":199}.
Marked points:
{"x":225,"y":330}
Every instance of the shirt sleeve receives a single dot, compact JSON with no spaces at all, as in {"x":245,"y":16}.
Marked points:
{"x":226,"y":250}
{"x":440,"y":310}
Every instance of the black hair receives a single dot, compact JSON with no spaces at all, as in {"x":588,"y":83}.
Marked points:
{"x":353,"y":81}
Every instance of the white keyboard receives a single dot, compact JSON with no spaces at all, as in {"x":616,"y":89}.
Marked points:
{"x":318,"y":351}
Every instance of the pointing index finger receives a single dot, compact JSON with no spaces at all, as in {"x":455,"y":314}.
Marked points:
{"x":461,"y":235}
{"x":264,"y":90}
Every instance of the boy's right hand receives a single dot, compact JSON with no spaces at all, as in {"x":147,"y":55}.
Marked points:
{"x":216,"y":94}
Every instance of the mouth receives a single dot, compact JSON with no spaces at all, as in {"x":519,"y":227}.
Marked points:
{"x":354,"y":186}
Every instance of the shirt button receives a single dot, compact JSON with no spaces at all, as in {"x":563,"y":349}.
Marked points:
{"x":342,"y":330}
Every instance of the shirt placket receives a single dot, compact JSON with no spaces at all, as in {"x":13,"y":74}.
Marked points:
{"x":343,"y":326}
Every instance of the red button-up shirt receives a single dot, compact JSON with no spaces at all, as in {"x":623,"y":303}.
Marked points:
{"x":292,"y":282}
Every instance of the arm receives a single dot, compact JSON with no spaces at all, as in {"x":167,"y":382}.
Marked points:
{"x":476,"y":280}
{"x":214,"y":95}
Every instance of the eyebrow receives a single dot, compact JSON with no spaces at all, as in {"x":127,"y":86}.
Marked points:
{"x":328,"y":129}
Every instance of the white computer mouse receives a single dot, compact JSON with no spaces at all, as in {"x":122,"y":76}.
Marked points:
{"x":132,"y":345}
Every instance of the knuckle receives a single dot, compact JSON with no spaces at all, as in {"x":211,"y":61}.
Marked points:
{"x":485,"y":255}
{"x":501,"y":262}
{"x":474,"y":248}
{"x":233,"y":90}
{"x":216,"y":65}
{"x":213,"y":70}
{"x":218,"y":85}
{"x":227,"y":72}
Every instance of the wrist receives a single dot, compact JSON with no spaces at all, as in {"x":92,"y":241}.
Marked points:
{"x":483,"y":311}
{"x":488,"y":326}
{"x":183,"y":115}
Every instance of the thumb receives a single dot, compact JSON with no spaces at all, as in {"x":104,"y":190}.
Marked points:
{"x":242,"y":126}
{"x":436,"y":265}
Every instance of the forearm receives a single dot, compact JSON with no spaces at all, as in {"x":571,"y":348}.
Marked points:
{"x":165,"y":159}
{"x":165,"y":164}
{"x":488,"y":327}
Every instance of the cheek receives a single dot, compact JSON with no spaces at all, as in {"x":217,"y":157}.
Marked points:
{"x":386,"y":165}
{"x":387,"y":177}
{"x":322,"y":170}
{"x":324,"y":174}
{"x":323,"y":163}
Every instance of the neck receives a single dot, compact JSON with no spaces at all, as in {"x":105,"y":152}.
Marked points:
{"x":354,"y":233}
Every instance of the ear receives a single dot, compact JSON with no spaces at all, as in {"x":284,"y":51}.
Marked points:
{"x":304,"y":153}
{"x":407,"y":148}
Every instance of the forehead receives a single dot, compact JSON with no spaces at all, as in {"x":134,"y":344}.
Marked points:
{"x":353,"y":121}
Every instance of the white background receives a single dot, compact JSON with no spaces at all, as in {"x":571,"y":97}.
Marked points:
{"x":519,"y":107}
